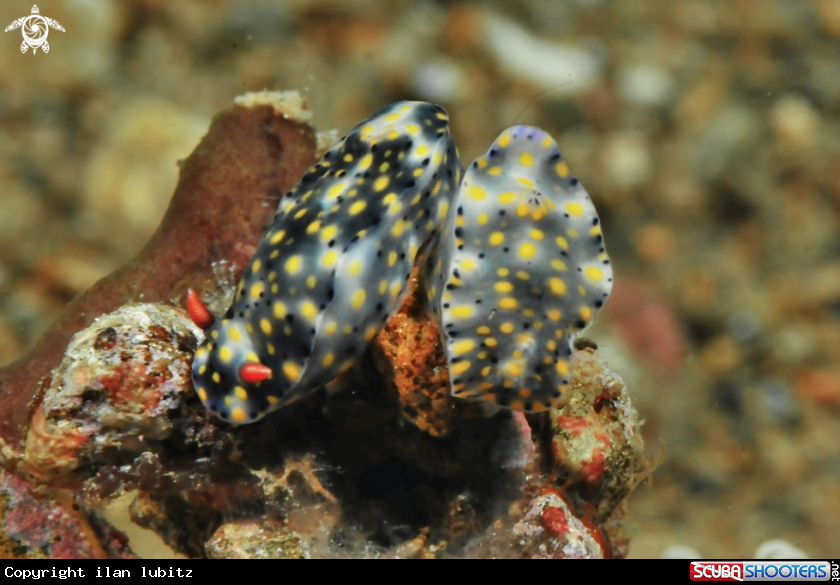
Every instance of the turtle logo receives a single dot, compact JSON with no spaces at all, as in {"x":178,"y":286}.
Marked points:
{"x":35,"y":30}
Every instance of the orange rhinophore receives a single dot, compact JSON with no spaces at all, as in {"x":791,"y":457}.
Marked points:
{"x":253,"y":373}
{"x":198,"y":311}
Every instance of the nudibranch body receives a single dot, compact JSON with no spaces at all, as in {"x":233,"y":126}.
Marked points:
{"x":521,"y":266}
{"x":332,"y":266}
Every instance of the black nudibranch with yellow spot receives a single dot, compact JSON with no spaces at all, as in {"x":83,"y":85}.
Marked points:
{"x":332,"y":266}
{"x":514,"y":264}
{"x":521,"y":266}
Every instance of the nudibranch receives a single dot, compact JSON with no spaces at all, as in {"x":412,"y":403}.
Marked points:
{"x":521,"y":266}
{"x":332,"y":266}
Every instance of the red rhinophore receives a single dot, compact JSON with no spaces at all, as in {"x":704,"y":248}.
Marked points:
{"x":198,"y":311}
{"x":253,"y":373}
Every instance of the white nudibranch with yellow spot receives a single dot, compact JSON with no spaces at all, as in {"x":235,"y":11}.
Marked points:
{"x":514,"y":264}
{"x":309,"y":302}
{"x":522,"y":266}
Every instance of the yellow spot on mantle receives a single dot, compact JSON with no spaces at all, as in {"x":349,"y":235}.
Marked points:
{"x":557,"y":286}
{"x":594,"y":273}
{"x":460,"y":367}
{"x":292,"y":371}
{"x":276,"y":238}
{"x":330,"y":258}
{"x":309,"y":310}
{"x":293,"y":264}
{"x":506,"y":197}
{"x":477,"y":193}
{"x":328,"y":233}
{"x":462,"y":312}
{"x":358,"y":298}
{"x":313,"y":227}
{"x":527,"y":250}
{"x":574,"y":208}
{"x":463,"y":347}
{"x":357,"y":208}
{"x":508,"y":303}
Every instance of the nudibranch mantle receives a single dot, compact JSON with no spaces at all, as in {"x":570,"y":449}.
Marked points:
{"x":333,"y":264}
{"x":512,"y":260}
{"x":520,"y":268}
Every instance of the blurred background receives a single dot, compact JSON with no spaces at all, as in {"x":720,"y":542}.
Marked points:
{"x":707,"y":133}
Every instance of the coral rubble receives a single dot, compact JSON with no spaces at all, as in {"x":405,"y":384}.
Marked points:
{"x":120,"y":384}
